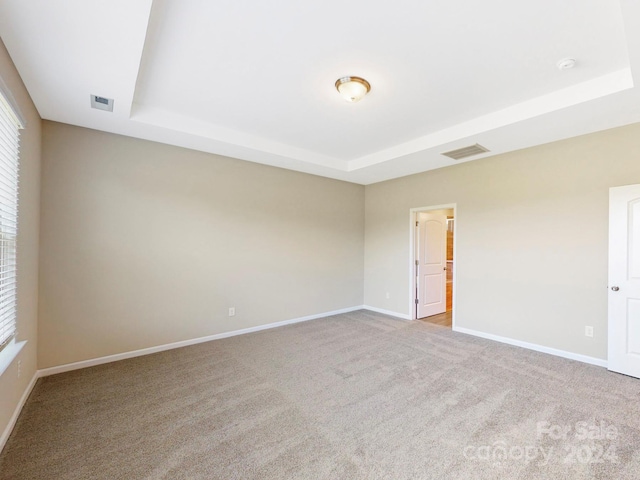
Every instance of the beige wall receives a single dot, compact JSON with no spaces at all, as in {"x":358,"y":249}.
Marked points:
{"x":12,"y":387}
{"x":145,"y":244}
{"x":531,"y":237}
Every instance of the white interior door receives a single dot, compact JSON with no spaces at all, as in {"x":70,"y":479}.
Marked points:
{"x":431,"y":259}
{"x":624,"y":280}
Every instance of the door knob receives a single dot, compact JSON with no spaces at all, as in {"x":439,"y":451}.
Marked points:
{"x":615,"y":289}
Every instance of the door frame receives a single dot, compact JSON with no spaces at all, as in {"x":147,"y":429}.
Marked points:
{"x":413,"y":215}
{"x":618,"y":274}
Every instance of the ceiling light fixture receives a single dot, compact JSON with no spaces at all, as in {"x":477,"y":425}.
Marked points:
{"x":353,"y":89}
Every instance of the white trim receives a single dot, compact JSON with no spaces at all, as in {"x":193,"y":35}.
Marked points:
{"x":532,"y":346}
{"x":413,"y":215}
{"x":170,"y":346}
{"x":387,"y":312}
{"x":9,"y":354}
{"x":18,"y":410}
{"x":146,"y":351}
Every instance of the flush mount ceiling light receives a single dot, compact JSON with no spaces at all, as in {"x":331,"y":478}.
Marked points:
{"x":352,"y":89}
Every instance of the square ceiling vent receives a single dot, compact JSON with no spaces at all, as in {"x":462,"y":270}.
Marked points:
{"x":102,"y":103}
{"x":465,"y":152}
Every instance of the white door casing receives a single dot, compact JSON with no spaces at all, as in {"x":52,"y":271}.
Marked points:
{"x":624,"y":280}
{"x":431,"y":256}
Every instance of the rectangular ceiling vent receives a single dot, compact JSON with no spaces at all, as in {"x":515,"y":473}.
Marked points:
{"x":102,"y":103}
{"x":465,"y":152}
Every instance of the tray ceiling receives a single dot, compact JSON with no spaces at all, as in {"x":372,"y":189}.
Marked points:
{"x":255,"y":80}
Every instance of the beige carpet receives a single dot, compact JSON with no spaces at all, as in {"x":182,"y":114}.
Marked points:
{"x":354,"y":396}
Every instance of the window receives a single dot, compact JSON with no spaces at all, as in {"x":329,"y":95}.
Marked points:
{"x":10,"y":125}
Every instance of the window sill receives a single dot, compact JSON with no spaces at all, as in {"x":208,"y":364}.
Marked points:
{"x":9,"y":353}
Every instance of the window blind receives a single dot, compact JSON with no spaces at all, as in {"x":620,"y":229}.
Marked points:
{"x":10,"y":126}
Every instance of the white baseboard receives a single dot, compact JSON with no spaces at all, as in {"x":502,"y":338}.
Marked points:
{"x":532,"y":346}
{"x":170,"y":346}
{"x":387,"y":312}
{"x":146,"y":351}
{"x":16,"y":412}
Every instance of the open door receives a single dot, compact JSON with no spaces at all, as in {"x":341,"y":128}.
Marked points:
{"x":431,"y":264}
{"x":624,"y":280}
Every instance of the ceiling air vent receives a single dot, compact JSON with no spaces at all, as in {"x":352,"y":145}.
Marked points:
{"x":102,"y":103}
{"x":465,"y":152}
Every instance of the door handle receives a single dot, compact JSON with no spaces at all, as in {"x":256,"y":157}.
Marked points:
{"x":615,"y":289}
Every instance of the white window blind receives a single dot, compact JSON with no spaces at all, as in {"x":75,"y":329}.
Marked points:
{"x":10,"y":126}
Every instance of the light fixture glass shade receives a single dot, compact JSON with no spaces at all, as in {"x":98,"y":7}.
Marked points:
{"x":352,"y":89}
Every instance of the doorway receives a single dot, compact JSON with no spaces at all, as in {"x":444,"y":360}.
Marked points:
{"x":432,"y":246}
{"x":624,"y":280}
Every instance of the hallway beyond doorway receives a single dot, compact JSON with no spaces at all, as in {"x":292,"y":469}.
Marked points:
{"x":442,"y":319}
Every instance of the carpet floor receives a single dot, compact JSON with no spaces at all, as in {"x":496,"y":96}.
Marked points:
{"x":353,"y":396}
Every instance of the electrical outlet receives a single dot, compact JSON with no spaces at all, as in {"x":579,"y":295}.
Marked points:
{"x":232,"y":311}
{"x":588,"y":331}
{"x":19,"y":368}
{"x":388,"y":296}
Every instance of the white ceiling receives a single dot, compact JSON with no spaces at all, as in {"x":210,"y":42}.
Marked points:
{"x":255,"y":80}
